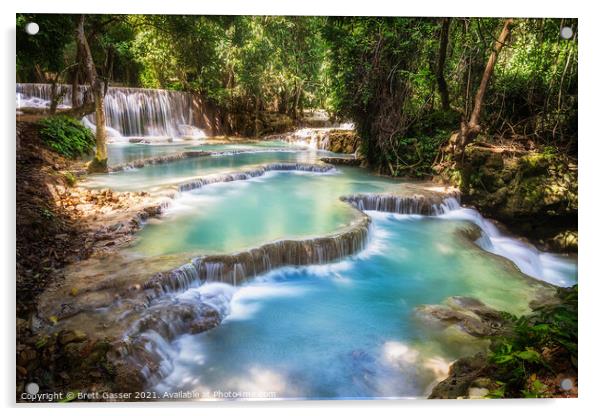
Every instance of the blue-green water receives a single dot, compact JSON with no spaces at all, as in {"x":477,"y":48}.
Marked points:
{"x":348,"y":329}
{"x":239,"y":215}
{"x":341,"y":330}
{"x":157,"y":176}
{"x":120,"y":153}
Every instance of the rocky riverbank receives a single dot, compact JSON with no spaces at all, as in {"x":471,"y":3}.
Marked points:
{"x":59,"y":223}
{"x":533,"y":193}
{"x":530,"y":356}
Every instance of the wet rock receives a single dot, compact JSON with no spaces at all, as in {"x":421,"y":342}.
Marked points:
{"x":21,"y":371}
{"x":565,"y":241}
{"x":462,"y":374}
{"x":469,"y":314}
{"x":344,"y":161}
{"x":483,"y":382}
{"x":67,"y":337}
{"x":343,"y":141}
{"x":26,"y":356}
{"x":533,"y":193}
{"x":210,"y":319}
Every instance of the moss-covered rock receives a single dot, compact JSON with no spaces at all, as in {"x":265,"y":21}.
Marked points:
{"x":534,"y":193}
{"x":343,"y":141}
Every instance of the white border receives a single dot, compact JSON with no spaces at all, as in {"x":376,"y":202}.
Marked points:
{"x":589,"y":171}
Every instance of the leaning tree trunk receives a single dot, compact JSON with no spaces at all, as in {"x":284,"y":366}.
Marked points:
{"x":99,"y":163}
{"x":469,"y":130}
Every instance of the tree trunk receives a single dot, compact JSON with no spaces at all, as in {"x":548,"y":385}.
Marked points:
{"x":469,"y":131}
{"x":55,"y":97}
{"x":99,"y":163}
{"x":296,"y":103}
{"x":443,"y":41}
{"x":101,"y":128}
{"x":257,"y":123}
{"x":75,"y":81}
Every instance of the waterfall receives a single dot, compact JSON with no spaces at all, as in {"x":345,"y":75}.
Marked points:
{"x":249,"y":174}
{"x":236,"y":268}
{"x":130,"y":112}
{"x":401,"y":204}
{"x":196,"y":297}
{"x":548,"y":267}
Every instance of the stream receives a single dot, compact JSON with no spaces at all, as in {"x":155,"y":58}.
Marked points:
{"x":343,"y":329}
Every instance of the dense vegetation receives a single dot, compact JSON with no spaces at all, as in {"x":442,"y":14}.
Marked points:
{"x":535,"y":347}
{"x":407,"y":83}
{"x":67,"y":136}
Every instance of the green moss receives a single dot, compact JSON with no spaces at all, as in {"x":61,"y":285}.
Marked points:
{"x":70,"y":178}
{"x":98,"y":166}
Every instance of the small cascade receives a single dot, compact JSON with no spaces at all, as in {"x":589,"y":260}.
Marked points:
{"x":313,"y":138}
{"x":253,"y":173}
{"x":196,"y":297}
{"x":400,"y":204}
{"x":130,"y":112}
{"x":548,"y":267}
{"x":236,"y":268}
{"x":158,"y":160}
{"x":146,"y":345}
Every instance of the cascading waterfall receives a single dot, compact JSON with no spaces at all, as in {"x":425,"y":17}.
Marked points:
{"x":314,"y":138}
{"x":181,"y":304}
{"x":130,"y":112}
{"x":253,"y":173}
{"x":548,"y":267}
{"x":398,"y":204}
{"x":529,"y":260}
{"x":177,"y":309}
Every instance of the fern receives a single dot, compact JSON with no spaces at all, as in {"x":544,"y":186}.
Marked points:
{"x":67,"y":136}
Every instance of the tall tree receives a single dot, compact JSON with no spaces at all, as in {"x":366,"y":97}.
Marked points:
{"x":469,"y":131}
{"x":99,"y":163}
{"x":443,"y":41}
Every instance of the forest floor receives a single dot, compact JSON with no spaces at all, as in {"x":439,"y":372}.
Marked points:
{"x":59,"y":223}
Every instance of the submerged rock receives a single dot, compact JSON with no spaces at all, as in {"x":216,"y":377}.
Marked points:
{"x":67,"y":337}
{"x":469,"y":314}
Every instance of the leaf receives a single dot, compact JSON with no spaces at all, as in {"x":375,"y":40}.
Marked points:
{"x":529,"y":355}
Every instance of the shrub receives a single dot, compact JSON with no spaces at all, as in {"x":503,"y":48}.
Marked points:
{"x":520,"y":355}
{"x":67,"y":136}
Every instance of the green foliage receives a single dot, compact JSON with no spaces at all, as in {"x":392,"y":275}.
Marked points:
{"x":67,"y":136}
{"x":383,"y":76}
{"x":244,"y":64}
{"x":379,"y":69}
{"x":379,"y":72}
{"x":519,"y":356}
{"x":46,"y":50}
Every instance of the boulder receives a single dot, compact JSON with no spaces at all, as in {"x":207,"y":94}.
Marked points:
{"x":534,"y":193}
{"x":469,"y":314}
{"x":462,"y":374}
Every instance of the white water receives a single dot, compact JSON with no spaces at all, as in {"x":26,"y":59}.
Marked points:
{"x":551,"y":268}
{"x":130,"y":112}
